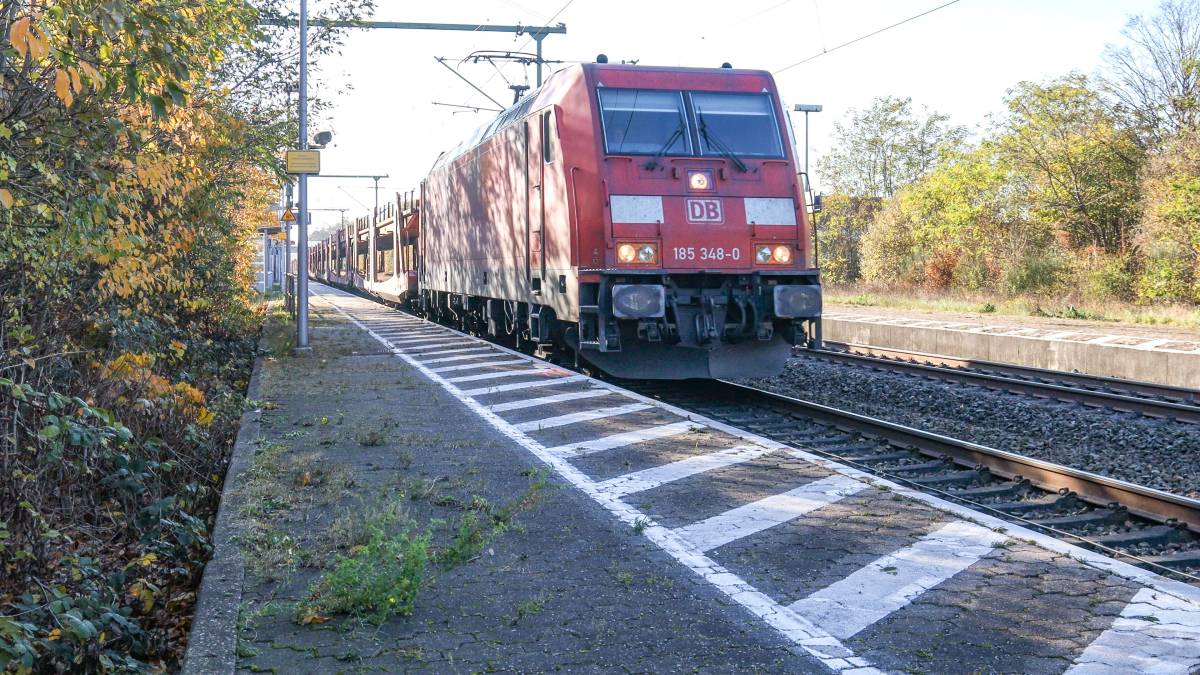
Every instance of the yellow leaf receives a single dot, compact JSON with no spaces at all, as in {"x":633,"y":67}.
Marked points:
{"x":6,"y":198}
{"x":92,"y":74}
{"x":55,"y":634}
{"x":39,"y":45}
{"x":76,"y":82}
{"x":17,"y":35}
{"x":311,"y":617}
{"x":62,"y":87}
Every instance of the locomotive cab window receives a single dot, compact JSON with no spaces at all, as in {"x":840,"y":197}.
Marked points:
{"x":741,"y":124}
{"x":644,"y":122}
{"x":549,"y":137}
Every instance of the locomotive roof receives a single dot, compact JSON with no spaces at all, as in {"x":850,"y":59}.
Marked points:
{"x":550,"y":91}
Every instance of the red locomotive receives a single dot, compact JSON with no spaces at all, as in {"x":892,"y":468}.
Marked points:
{"x":651,"y":220}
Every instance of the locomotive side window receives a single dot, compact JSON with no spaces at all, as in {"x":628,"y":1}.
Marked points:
{"x":743,"y":123}
{"x":644,"y":122}
{"x":549,"y":137}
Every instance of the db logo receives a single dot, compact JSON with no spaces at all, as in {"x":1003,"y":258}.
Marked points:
{"x":705,"y":211}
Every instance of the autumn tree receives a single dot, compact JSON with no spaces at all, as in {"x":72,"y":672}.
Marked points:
{"x":885,"y":147}
{"x":1081,"y":162}
{"x":1154,"y":77}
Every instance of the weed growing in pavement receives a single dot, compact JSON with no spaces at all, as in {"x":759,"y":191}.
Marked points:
{"x":370,"y":438}
{"x":527,"y":608}
{"x":354,"y":526}
{"x":640,"y":525}
{"x":380,"y":579}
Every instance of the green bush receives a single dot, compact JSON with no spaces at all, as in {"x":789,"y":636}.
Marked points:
{"x":381,"y":579}
{"x":1036,"y":274}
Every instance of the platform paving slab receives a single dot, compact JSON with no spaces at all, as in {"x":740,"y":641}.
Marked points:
{"x":567,"y":589}
{"x":1002,"y":585}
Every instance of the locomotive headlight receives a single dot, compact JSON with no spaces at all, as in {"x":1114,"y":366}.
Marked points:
{"x":647,"y":254}
{"x":762,"y":254}
{"x":637,"y":253}
{"x":699,"y":180}
{"x":782,"y":254}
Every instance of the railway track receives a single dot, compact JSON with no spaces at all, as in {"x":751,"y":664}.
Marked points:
{"x":1144,"y":526}
{"x":1146,"y":398}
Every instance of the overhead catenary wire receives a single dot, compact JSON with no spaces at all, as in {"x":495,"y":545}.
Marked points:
{"x":864,"y":37}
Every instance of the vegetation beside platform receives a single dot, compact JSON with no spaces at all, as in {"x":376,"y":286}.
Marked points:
{"x":138,"y":157}
{"x":1083,"y":192}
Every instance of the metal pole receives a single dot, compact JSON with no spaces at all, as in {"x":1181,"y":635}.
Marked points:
{"x":302,"y":220}
{"x":266,"y":252}
{"x":806,"y":143}
{"x":287,"y":265}
{"x":538,"y":39}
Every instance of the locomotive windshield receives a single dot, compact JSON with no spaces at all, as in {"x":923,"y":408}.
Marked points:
{"x":639,"y":122}
{"x":646,"y":122}
{"x":744,"y":123}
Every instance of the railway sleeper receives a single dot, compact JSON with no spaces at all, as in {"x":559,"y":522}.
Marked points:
{"x":936,"y":466}
{"x":876,"y":458}
{"x":1182,"y":560}
{"x":1047,"y":503}
{"x":1159,"y":535}
{"x":1011,"y":490}
{"x":954,"y":478}
{"x":1113,"y":515}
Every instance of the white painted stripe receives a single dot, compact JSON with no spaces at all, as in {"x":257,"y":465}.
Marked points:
{"x":1103,"y":339}
{"x":484,"y":391}
{"x":767,"y":512}
{"x":1151,"y":344}
{"x":547,"y":400}
{"x":442,"y":338}
{"x":468,"y":357}
{"x":488,"y":376}
{"x":1059,"y":335}
{"x":584,"y":416}
{"x":424,"y":349}
{"x":666,"y":473}
{"x":477,"y":366}
{"x":457,"y":350}
{"x":621,"y":440}
{"x":1156,"y":633}
{"x":889,"y":583}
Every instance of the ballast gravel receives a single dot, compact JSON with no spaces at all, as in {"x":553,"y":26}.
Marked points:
{"x":1126,"y":446}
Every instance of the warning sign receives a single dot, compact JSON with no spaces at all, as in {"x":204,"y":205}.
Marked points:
{"x":288,"y":216}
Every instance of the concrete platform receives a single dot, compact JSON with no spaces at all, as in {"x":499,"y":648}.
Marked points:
{"x":1166,"y":356}
{"x":675,"y":543}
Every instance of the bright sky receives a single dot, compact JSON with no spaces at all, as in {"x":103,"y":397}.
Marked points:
{"x":958,"y":60}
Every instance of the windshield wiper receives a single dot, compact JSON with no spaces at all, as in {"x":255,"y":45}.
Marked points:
{"x":720,"y":145}
{"x":652,"y":163}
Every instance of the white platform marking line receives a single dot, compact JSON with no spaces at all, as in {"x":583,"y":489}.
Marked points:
{"x":1156,"y":633}
{"x":622,"y":439}
{"x":812,"y":639}
{"x":439,"y":338}
{"x":768,"y":512}
{"x":477,"y":366}
{"x":458,"y":350}
{"x":889,"y":583}
{"x":423,"y":349}
{"x":666,"y":473}
{"x":469,"y":357}
{"x":547,"y":400}
{"x":583,"y":416}
{"x":484,"y":391}
{"x":490,"y":376}
{"x":1151,"y":344}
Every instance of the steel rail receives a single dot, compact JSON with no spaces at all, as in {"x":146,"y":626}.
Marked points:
{"x":1146,"y":502}
{"x":1181,"y":408}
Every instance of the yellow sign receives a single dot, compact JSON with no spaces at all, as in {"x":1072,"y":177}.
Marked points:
{"x":280,"y":236}
{"x":303,"y":161}
{"x":288,"y":216}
